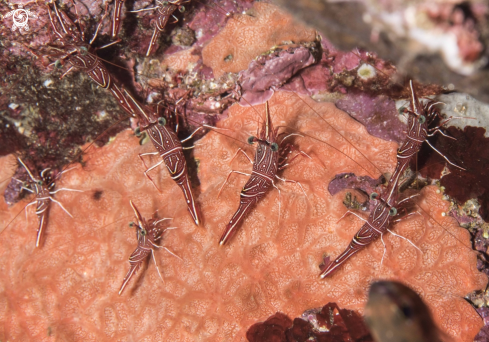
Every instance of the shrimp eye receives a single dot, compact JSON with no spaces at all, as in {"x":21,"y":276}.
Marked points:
{"x":274,"y":147}
{"x":251,"y":140}
{"x":393,"y":211}
{"x":181,"y":9}
{"x":131,"y":224}
{"x":161,"y":121}
{"x":374,"y":195}
{"x":58,"y":64}
{"x":143,"y":232}
{"x":137,"y":132}
{"x":39,"y":182}
{"x":83,"y":50}
{"x":422,"y":119}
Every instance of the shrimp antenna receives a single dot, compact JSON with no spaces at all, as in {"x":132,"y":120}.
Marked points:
{"x":338,"y":132}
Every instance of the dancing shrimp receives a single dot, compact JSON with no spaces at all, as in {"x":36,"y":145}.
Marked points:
{"x":43,"y":187}
{"x":164,"y":10}
{"x":147,"y":234}
{"x":376,"y":225}
{"x":170,"y":149}
{"x":420,"y":116}
{"x":82,"y":55}
{"x":270,"y":157}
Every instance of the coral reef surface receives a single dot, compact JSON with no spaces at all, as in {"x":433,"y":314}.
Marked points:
{"x":68,"y":288}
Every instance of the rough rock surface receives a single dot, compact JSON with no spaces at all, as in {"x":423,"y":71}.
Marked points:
{"x":67,"y":289}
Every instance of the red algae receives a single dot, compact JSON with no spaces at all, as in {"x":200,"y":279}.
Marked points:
{"x":471,"y":151}
{"x":69,"y":287}
{"x":326,"y":324}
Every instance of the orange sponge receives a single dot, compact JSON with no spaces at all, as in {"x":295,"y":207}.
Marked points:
{"x":68,"y":289}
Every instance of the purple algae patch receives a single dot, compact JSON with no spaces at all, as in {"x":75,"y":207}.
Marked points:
{"x":345,"y":61}
{"x":377,"y":113}
{"x":364,"y":184}
{"x":346,"y":180}
{"x":311,"y":80}
{"x":272,"y":71}
{"x":483,"y":335}
{"x":211,"y":18}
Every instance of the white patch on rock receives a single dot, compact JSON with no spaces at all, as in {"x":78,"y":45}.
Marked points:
{"x":366,"y":71}
{"x":151,"y":97}
{"x":48,"y":82}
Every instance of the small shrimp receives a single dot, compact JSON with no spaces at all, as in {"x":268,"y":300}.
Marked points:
{"x":375,"y":226}
{"x":379,"y":219}
{"x":147,"y":234}
{"x":43,"y":187}
{"x":164,"y":10}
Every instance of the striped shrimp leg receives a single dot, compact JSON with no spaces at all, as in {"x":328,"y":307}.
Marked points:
{"x":42,"y":209}
{"x":116,"y":17}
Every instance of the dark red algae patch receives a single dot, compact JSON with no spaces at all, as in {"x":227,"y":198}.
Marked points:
{"x":471,"y":151}
{"x":273,"y":329}
{"x":327,"y":324}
